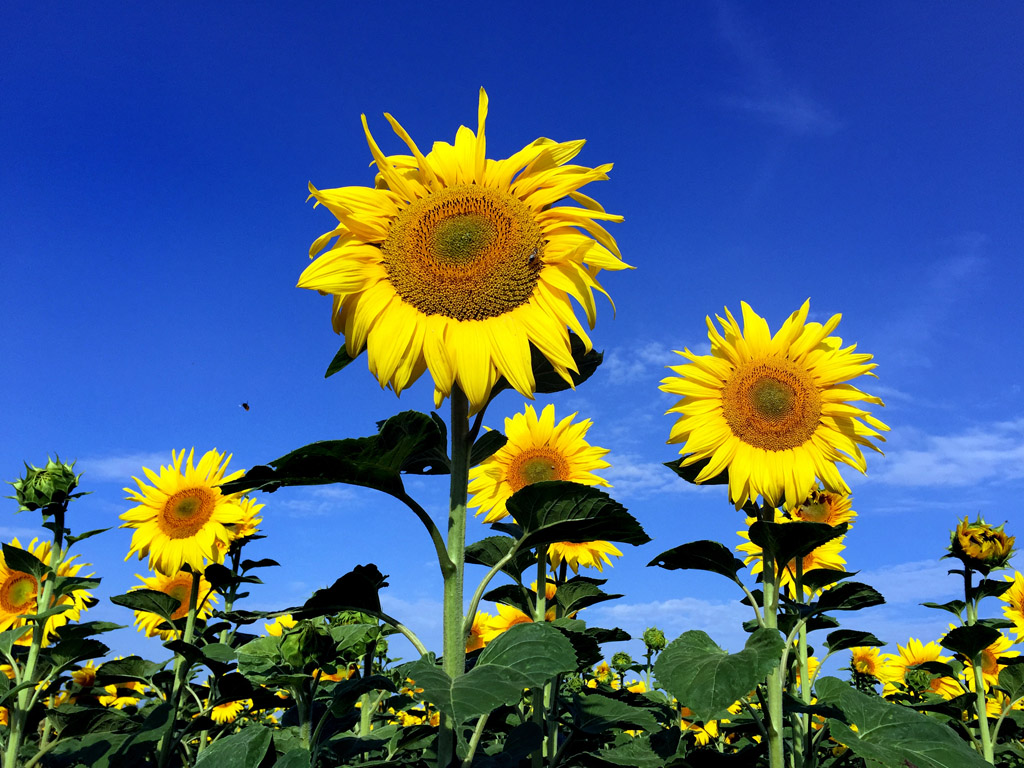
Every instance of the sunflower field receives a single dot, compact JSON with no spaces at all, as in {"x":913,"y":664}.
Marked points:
{"x":480,"y":275}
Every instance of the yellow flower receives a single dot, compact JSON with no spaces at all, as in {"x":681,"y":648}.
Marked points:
{"x":825,"y":507}
{"x":229,"y":711}
{"x":123,"y":694}
{"x":603,"y":673}
{"x":507,"y":618}
{"x":589,"y":554}
{"x":18,"y":592}
{"x":990,"y":656}
{"x":901,"y":668}
{"x":704,"y":733}
{"x":537,"y":450}
{"x":774,"y":411}
{"x":178,"y":586}
{"x":247,"y":526}
{"x":85,"y":676}
{"x":980,"y":545}
{"x":277,"y":627}
{"x":5,"y":718}
{"x":456,"y":264}
{"x":864,"y":660}
{"x":1014,"y":599}
{"x":826,"y":556}
{"x":481,"y":626}
{"x":637,"y":686}
{"x":181,"y":517}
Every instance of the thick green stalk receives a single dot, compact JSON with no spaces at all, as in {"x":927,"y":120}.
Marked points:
{"x":774,"y":683}
{"x":454,"y":650}
{"x":540,"y":703}
{"x":181,"y":669}
{"x":979,"y":680}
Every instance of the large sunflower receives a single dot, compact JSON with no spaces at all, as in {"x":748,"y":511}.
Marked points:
{"x":537,"y":450}
{"x":774,"y":411}
{"x":1014,"y":599}
{"x":178,"y":586}
{"x":183,"y":517}
{"x":19,"y":590}
{"x":457,"y":264}
{"x":901,"y":669}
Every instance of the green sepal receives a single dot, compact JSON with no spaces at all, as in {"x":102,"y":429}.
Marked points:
{"x":340,"y":361}
{"x":557,"y":511}
{"x":889,"y":734}
{"x":702,"y":555}
{"x":709,"y":680}
{"x":409,"y":442}
{"x":689,"y":472}
{"x":970,"y":640}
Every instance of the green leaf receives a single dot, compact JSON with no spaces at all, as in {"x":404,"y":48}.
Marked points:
{"x":486,"y":446}
{"x":581,"y":592}
{"x":635,"y":753}
{"x":266,"y":562}
{"x":340,"y":361}
{"x":956,"y":607}
{"x":19,"y":559}
{"x":129,"y":669}
{"x":842,"y":639}
{"x":9,"y":637}
{"x":489,"y":551}
{"x":65,"y":585}
{"x":294,"y":758}
{"x":525,"y":656}
{"x":991,"y":588}
{"x":1011,"y":680}
{"x":348,"y":636}
{"x":355,"y":591}
{"x":346,"y":693}
{"x":709,"y":680}
{"x":87,"y":535}
{"x":244,"y":749}
{"x":584,"y":645}
{"x":890,"y":734}
{"x":595,"y":713}
{"x":848,"y":596}
{"x":817,"y":578}
{"x":219,"y":652}
{"x":970,"y":641}
{"x":72,"y":722}
{"x":689,"y":472}
{"x":701,"y":556}
{"x":788,"y":541}
{"x":548,"y":381}
{"x":410,"y":442}
{"x":557,"y":511}
{"x":75,"y":649}
{"x":150,"y":601}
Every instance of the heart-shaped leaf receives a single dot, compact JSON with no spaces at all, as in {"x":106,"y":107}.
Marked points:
{"x":557,"y":511}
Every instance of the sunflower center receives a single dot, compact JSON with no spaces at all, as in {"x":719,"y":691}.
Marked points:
{"x":180,"y":591}
{"x":466,"y":252}
{"x":186,"y":512}
{"x":536,"y":466}
{"x":772,"y":404}
{"x":18,"y":593}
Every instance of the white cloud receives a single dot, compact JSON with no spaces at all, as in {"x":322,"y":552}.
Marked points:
{"x":633,"y":476}
{"x":639,"y":362}
{"x":991,"y":453}
{"x":121,"y":468}
{"x":317,"y":501}
{"x":914,"y":582}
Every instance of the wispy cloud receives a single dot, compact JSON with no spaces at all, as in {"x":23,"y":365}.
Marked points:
{"x":317,"y":502}
{"x":771,"y":95}
{"x":992,"y":453}
{"x":915,"y":582}
{"x":633,"y":477}
{"x":121,"y":468}
{"x":640,"y":362}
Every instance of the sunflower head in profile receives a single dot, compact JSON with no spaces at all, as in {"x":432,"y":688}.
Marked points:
{"x":19,"y":590}
{"x":183,"y":518}
{"x":775,"y":412}
{"x":457,"y":264}
{"x":538,"y":449}
{"x":825,"y":507}
{"x":178,"y":586}
{"x":586,"y":554}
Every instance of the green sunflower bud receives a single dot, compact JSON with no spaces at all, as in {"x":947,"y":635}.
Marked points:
{"x":981,"y":546}
{"x":654,"y":639}
{"x":622,"y":662}
{"x":42,"y":487}
{"x":307,"y":645}
{"x":573,"y":684}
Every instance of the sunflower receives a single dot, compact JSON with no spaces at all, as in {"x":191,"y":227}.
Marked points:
{"x":123,"y":695}
{"x":589,"y":554}
{"x":826,"y":556}
{"x":538,"y":449}
{"x":704,"y":733}
{"x":991,"y":655}
{"x":773,"y":411}
{"x":1014,"y":599}
{"x":481,"y":626}
{"x":182,"y":517}
{"x":178,"y":586}
{"x":229,"y":711}
{"x":864,"y":660}
{"x":278,"y":626}
{"x":825,"y":507}
{"x":901,"y":668}
{"x":508,"y":616}
{"x":247,"y":526}
{"x":18,"y":592}
{"x":456,"y":264}
{"x":85,"y":676}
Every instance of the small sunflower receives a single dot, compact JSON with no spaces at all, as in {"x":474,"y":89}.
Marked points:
{"x":826,"y":556}
{"x":229,"y":711}
{"x":178,"y":586}
{"x":85,"y":676}
{"x":774,"y":411}
{"x":825,"y":507}
{"x":18,"y":592}
{"x":538,"y":449}
{"x":183,"y":517}
{"x":588,"y":554}
{"x":278,"y":626}
{"x":901,"y":668}
{"x":457,"y":264}
{"x":703,"y":733}
{"x":865,"y":660}
{"x":1014,"y":599}
{"x":247,"y":526}
{"x":990,"y":658}
{"x":481,"y":626}
{"x":508,"y":616}
{"x":123,"y":695}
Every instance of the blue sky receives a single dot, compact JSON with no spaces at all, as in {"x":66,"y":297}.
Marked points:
{"x":153,"y":227}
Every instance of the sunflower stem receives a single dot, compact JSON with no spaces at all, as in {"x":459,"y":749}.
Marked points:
{"x":454,"y":648}
{"x":774,"y":683}
{"x":19,"y":717}
{"x":801,"y":745}
{"x":980,"y":704}
{"x":541,"y":694}
{"x":181,"y":669}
